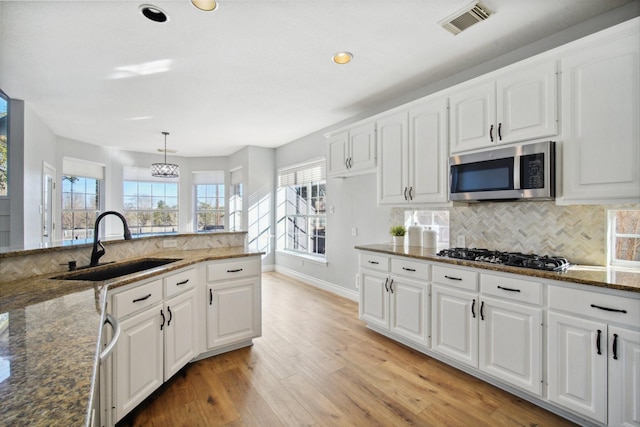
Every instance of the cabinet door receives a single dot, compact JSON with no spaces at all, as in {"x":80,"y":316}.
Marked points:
{"x":181,"y":332}
{"x":374,"y":298}
{"x":454,"y":324}
{"x":473,"y":117}
{"x":577,"y":365}
{"x":138,"y":359}
{"x":624,"y":377}
{"x":393,"y":148}
{"x":233,"y":312}
{"x":600,"y":132}
{"x":511,"y":343}
{"x":338,"y":147}
{"x":427,"y":157}
{"x":409,"y":309}
{"x":527,"y":103}
{"x":362,"y":146}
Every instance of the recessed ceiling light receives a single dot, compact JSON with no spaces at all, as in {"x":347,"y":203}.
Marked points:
{"x":342,"y":58}
{"x":153,"y":13}
{"x":206,"y":5}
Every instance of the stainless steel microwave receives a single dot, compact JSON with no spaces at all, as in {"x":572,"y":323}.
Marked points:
{"x":523,"y":171}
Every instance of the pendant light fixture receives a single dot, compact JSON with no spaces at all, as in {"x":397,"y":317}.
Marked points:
{"x":165,"y":170}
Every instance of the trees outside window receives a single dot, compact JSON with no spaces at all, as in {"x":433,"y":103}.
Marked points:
{"x":624,"y":238}
{"x":80,"y":207}
{"x":151,"y":207}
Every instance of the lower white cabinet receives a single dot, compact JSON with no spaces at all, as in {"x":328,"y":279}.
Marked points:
{"x":396,"y":302}
{"x":593,"y":355}
{"x":159,"y":335}
{"x":234,"y":307}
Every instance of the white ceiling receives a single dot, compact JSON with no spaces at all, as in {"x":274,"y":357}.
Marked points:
{"x":253,"y":72}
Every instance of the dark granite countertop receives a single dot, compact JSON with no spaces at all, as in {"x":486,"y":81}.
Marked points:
{"x":603,"y":277}
{"x":50,"y":332}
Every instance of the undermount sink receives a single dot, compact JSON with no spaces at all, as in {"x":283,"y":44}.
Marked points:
{"x":107,"y":272}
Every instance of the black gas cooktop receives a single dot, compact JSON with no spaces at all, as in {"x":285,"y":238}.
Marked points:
{"x":513,"y":259}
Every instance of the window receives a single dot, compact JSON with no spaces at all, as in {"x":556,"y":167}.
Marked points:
{"x":209,"y":200}
{"x":437,"y":221}
{"x":624,"y":238}
{"x":235,"y":201}
{"x":302,"y":218}
{"x":150,"y":204}
{"x":4,"y":144}
{"x":80,"y":207}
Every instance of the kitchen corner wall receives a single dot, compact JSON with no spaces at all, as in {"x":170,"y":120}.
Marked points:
{"x":576,"y":232}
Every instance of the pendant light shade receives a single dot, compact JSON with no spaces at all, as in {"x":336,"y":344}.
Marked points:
{"x":206,"y":5}
{"x":165,"y":170}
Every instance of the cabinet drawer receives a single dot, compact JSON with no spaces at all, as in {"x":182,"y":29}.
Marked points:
{"x":455,"y":277}
{"x":233,"y":270}
{"x":405,"y":267}
{"x":180,"y":282}
{"x":511,"y":288}
{"x":610,"y":308}
{"x":132,"y":300}
{"x":374,"y":262}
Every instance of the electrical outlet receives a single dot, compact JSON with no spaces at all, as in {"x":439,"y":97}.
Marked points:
{"x":461,"y":243}
{"x":357,"y":281}
{"x":354,"y":232}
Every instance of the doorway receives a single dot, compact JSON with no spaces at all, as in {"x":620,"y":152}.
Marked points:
{"x":48,"y":203}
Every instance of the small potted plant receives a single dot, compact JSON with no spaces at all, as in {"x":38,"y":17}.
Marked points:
{"x":398,"y":232}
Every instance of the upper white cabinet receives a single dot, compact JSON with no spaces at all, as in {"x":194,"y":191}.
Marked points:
{"x":352,"y":152}
{"x":600,"y":111}
{"x":413,"y":154}
{"x":516,"y":105}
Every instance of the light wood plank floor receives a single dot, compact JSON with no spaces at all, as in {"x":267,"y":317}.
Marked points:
{"x":318,"y":365}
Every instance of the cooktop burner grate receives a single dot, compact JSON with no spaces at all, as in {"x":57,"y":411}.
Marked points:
{"x":513,"y":259}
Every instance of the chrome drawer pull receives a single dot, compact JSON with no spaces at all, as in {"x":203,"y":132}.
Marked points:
{"x":615,"y":310}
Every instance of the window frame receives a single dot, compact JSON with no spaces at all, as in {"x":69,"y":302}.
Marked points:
{"x":7,"y":99}
{"x":613,"y":235}
{"x":89,"y":228}
{"x":218,"y":210}
{"x":134,"y":226}
{"x":310,"y":175}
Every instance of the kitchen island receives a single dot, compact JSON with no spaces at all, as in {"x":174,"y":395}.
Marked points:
{"x":51,"y":335}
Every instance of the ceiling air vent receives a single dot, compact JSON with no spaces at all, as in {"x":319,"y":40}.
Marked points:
{"x":465,"y":17}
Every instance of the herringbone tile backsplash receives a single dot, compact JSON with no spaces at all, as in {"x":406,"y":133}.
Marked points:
{"x":575,"y":232}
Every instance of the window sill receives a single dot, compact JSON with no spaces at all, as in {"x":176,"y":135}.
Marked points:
{"x":310,"y":258}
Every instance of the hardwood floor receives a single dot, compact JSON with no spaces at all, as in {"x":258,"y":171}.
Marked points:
{"x":317,"y":364}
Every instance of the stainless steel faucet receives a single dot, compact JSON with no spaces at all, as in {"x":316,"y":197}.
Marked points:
{"x":97,"y":253}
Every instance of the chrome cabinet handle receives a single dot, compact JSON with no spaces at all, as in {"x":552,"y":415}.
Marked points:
{"x":114,"y":340}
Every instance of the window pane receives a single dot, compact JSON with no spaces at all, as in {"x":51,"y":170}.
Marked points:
{"x":628,"y":248}
{"x":628,"y":222}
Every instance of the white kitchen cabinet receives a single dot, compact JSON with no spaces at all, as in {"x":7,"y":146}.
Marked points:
{"x":181,"y":332}
{"x":587,"y":373}
{"x":600,"y":110}
{"x":160,"y":334}
{"x":396,"y":302}
{"x":510,"y":331}
{"x":624,"y":377}
{"x":412,"y":143}
{"x":352,"y":152}
{"x":577,"y":371}
{"x":510,"y":338}
{"x":234,"y":307}
{"x":138,"y":361}
{"x":518,"y":104}
{"x":454,"y":324}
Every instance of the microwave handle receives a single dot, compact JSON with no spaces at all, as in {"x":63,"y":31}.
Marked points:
{"x":516,"y":172}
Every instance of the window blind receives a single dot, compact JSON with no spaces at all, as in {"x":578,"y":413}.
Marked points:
{"x":303,"y":174}
{"x":208,"y":177}
{"x":76,"y":167}
{"x":236,"y":176}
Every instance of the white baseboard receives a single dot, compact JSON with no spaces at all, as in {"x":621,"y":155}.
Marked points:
{"x":324,"y":285}
{"x":269,"y":267}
